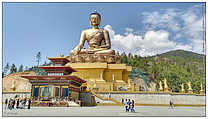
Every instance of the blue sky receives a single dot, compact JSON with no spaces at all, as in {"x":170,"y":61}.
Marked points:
{"x":140,"y":28}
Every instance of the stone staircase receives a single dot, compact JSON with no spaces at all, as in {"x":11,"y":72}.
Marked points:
{"x":108,"y":100}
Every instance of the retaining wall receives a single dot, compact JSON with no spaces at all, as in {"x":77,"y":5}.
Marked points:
{"x":158,"y":98}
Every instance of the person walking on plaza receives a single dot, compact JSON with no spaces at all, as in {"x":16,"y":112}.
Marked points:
{"x":6,"y":102}
{"x":132,"y":106}
{"x":109,"y":96}
{"x":122,"y":101}
{"x":25,"y":102}
{"x":29,"y":102}
{"x":171,"y":104}
{"x":129,"y":105}
{"x":126,"y":105}
{"x":10,"y":104}
{"x":17,"y":106}
{"x":13,"y":103}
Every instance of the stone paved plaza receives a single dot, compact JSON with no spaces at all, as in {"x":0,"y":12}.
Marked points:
{"x":106,"y":111}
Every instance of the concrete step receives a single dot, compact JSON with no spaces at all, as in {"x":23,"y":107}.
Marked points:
{"x":105,"y":99}
{"x":73,"y":104}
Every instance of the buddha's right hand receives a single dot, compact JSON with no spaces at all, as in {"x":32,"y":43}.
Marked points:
{"x":76,"y":50}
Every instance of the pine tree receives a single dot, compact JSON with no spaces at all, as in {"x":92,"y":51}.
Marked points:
{"x":6,"y":68}
{"x":26,"y":68}
{"x":13,"y":69}
{"x":20,"y":68}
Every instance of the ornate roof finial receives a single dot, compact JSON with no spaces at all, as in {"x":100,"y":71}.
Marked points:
{"x":95,"y":11}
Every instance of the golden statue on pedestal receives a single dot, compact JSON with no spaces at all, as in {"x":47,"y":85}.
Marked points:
{"x":182,"y":88}
{"x":161,"y":88}
{"x":190,"y":88}
{"x":201,"y":91}
{"x":165,"y":85}
{"x":189,"y":85}
{"x":13,"y":85}
{"x":98,"y":61}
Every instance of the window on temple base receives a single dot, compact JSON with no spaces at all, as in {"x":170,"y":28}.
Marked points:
{"x":64,"y":91}
{"x":46,"y":91}
{"x":58,"y":65}
{"x":56,"y":91}
{"x":36,"y":91}
{"x":55,"y":74}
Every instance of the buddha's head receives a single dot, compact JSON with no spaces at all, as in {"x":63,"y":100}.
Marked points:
{"x":95,"y":19}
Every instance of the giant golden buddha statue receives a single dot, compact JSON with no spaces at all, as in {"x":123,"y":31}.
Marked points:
{"x":98,"y":64}
{"x":98,"y":40}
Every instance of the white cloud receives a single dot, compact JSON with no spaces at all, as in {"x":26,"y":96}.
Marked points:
{"x":184,"y":47}
{"x":165,"y":30}
{"x":177,"y":36}
{"x":162,"y":20}
{"x":154,"y":42}
{"x":186,"y":24}
{"x":129,"y":30}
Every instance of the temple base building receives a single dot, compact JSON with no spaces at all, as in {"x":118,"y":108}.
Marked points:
{"x":103,"y":76}
{"x":57,"y":87}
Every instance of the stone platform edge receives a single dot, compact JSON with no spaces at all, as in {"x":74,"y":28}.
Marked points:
{"x":146,"y":92}
{"x":175,"y":105}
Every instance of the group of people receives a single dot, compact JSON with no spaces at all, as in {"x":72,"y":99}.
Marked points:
{"x":20,"y":104}
{"x":129,"y":105}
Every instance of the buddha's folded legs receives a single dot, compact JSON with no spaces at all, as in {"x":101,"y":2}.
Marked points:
{"x":106,"y":52}
{"x":102,"y":52}
{"x":82,"y":51}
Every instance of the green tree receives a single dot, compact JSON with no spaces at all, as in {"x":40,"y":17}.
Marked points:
{"x":129,"y":55}
{"x":26,"y":68}
{"x":117,"y":54}
{"x":124,"y":58}
{"x":13,"y":69}
{"x":20,"y":68}
{"x":6,"y":69}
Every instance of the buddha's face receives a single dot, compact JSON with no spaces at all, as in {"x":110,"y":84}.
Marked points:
{"x":95,"y":20}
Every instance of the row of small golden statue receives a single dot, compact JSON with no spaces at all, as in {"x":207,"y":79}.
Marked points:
{"x":190,"y":90}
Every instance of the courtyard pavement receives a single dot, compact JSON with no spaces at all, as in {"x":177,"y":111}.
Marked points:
{"x":106,"y":111}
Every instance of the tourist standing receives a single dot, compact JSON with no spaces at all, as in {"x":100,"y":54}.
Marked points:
{"x":6,"y":102}
{"x":10,"y":104}
{"x":109,"y":96}
{"x":129,"y":105}
{"x":171,"y":104}
{"x":132,"y":106}
{"x":126,"y":105}
{"x":25,"y":102}
{"x":17,"y":103}
{"x":13,"y":103}
{"x":122,"y":100}
{"x":29,"y":102}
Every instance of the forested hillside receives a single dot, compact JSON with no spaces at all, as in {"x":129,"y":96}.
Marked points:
{"x":177,"y":67}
